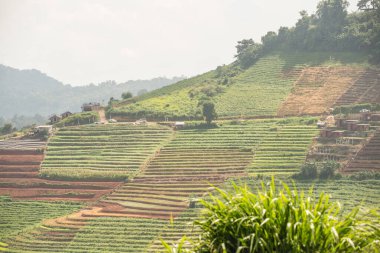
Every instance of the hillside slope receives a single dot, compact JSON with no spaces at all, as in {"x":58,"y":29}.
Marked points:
{"x":277,"y":84}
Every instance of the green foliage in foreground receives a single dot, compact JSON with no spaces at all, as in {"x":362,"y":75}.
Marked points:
{"x":79,"y":119}
{"x":281,"y":221}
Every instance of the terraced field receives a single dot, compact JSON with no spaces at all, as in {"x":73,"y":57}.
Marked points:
{"x":366,"y":89}
{"x":283,"y":150}
{"x":19,"y":176}
{"x":318,"y":88}
{"x":181,"y":169}
{"x":249,"y":94}
{"x":368,"y":158}
{"x":186,"y":166}
{"x":20,"y":215}
{"x":103,"y":152}
{"x":135,"y":216}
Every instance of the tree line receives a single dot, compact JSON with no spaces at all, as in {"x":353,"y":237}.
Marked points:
{"x":330,"y":28}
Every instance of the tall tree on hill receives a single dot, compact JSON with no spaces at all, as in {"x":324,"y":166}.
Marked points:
{"x":248,"y":52}
{"x":208,"y":111}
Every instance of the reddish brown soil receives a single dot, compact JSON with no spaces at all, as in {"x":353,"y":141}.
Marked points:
{"x":19,"y":179}
{"x":319,"y":88}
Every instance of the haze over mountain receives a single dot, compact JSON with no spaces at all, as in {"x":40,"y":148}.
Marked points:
{"x":30,"y":92}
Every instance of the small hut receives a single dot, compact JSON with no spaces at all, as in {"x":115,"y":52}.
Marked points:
{"x":352,"y":125}
{"x":54,"y":118}
{"x":65,"y":114}
{"x":88,"y":107}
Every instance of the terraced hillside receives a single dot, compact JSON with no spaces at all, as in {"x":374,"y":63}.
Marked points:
{"x":181,"y":169}
{"x":277,"y":84}
{"x":20,"y":215}
{"x":368,"y":158}
{"x":318,"y":88}
{"x":366,"y":89}
{"x":111,"y":152}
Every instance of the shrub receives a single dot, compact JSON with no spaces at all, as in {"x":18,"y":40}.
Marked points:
{"x":364,"y":175}
{"x":328,"y":170}
{"x":281,"y":221}
{"x":308,"y":171}
{"x":126,"y":95}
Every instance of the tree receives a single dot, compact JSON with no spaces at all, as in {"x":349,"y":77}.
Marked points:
{"x":331,"y":19}
{"x":308,"y":171}
{"x":248,"y":52}
{"x":269,"y":41}
{"x":208,"y":111}
{"x":371,"y":24}
{"x":126,"y":95}
{"x":7,"y":129}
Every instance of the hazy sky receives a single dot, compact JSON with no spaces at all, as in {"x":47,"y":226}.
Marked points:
{"x":84,"y":41}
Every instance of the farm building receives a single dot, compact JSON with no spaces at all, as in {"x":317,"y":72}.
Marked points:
{"x":331,"y":133}
{"x":362,"y":127}
{"x":54,"y":118}
{"x":87,"y":107}
{"x":352,"y":125}
{"x":65,"y":114}
{"x":43,"y":129}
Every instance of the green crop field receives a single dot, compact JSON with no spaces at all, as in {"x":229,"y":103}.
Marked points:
{"x":178,"y":166}
{"x":17,"y":215}
{"x":283,"y":150}
{"x":112,"y":152}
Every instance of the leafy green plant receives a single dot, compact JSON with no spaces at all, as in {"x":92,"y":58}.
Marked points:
{"x":282,"y":221}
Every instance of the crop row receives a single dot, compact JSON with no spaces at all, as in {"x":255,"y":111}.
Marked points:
{"x":116,"y":154}
{"x":18,"y":215}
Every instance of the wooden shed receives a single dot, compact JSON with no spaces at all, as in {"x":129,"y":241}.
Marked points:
{"x":65,"y":114}
{"x":88,"y":107}
{"x":351,"y":125}
{"x":54,"y":118}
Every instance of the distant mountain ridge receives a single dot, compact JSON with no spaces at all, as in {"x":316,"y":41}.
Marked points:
{"x":28,"y":92}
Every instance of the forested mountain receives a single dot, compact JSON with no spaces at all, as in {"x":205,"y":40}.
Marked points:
{"x":30,"y":92}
